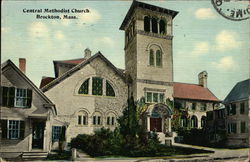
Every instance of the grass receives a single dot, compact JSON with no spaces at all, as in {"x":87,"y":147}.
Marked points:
{"x":166,"y":151}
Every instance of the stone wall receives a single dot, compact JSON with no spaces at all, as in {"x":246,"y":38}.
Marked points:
{"x":69,"y":102}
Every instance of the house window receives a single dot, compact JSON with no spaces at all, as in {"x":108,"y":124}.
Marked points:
{"x":151,"y":57}
{"x":58,"y":133}
{"x":84,"y":89}
{"x":233,"y":109}
{"x":155,"y":97}
{"x":242,"y":108}
{"x":154,"y":25}
{"x":193,"y":106}
{"x":97,"y":119}
{"x":161,"y":97}
{"x":203,"y":107}
{"x":194,"y":122}
{"x":203,"y":121}
{"x":146,"y":24}
{"x":12,"y":129}
{"x":184,"y":121}
{"x":97,"y":86}
{"x":158,"y":58}
{"x":109,"y":89}
{"x":242,"y":127}
{"x":162,"y":27}
{"x":82,"y":118}
{"x":232,"y":128}
{"x":110,"y":120}
{"x":21,"y":97}
{"x":152,"y":97}
{"x":149,"y":97}
{"x":16,"y":97}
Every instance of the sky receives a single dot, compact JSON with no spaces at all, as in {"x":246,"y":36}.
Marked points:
{"x":203,"y":39}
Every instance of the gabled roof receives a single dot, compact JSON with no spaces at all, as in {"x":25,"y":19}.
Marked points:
{"x":193,"y":92}
{"x":240,"y":91}
{"x":137,"y":4}
{"x":80,"y":66}
{"x":10,"y":63}
{"x":45,"y":81}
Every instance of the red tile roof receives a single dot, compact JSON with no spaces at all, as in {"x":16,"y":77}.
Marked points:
{"x":193,"y":91}
{"x":75,"y":61}
{"x":45,"y":81}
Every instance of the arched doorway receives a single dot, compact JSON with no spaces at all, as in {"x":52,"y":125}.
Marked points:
{"x":159,"y":118}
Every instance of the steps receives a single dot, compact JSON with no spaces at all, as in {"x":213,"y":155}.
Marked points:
{"x":38,"y":155}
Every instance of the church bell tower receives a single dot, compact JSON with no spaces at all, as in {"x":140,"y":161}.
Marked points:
{"x":148,"y":51}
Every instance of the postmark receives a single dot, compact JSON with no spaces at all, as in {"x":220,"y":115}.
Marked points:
{"x":235,"y":10}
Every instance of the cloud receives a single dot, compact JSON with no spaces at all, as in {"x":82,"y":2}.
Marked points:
{"x":200,"y":48}
{"x":204,"y":13}
{"x":225,"y":63}
{"x":5,"y":29}
{"x":59,"y":35}
{"x":106,"y":41}
{"x":91,"y":17}
{"x":226,"y":40}
{"x":38,"y":30}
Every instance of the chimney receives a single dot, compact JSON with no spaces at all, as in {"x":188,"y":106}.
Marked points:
{"x":203,"y":79}
{"x":87,"y":53}
{"x":22,"y":64}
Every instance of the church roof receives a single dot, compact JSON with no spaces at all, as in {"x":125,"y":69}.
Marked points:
{"x":137,"y":4}
{"x":193,"y":92}
{"x":78,"y":67}
{"x":46,"y":80}
{"x":240,"y":91}
{"x":74,"y":61}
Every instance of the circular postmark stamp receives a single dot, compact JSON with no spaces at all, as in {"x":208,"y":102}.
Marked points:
{"x":235,"y":10}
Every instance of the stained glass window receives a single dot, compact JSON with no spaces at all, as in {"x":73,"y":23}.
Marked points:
{"x":109,"y":90}
{"x":97,"y":86}
{"x":84,"y":89}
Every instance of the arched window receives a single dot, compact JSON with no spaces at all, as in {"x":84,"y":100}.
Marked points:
{"x":154,"y":25}
{"x":194,"y":122}
{"x":109,"y":89}
{"x":84,"y":89}
{"x":162,"y":27}
{"x":203,"y":121}
{"x":97,"y":86}
{"x":82,"y":118}
{"x":111,"y":119}
{"x":158,"y":58}
{"x":151,"y":57}
{"x":146,"y":24}
{"x":184,"y":121}
{"x":97,"y":118}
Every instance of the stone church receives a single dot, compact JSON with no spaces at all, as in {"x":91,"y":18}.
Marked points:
{"x":90,"y":92}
